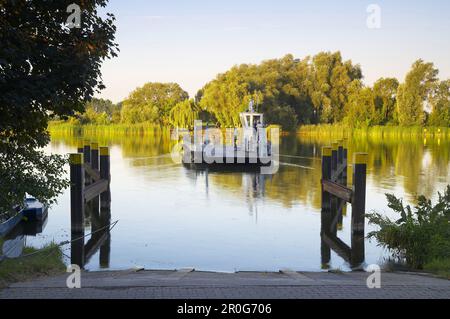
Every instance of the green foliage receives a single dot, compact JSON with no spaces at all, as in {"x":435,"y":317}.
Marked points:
{"x":340,"y":130}
{"x":106,"y":108}
{"x":419,"y":236}
{"x":440,"y":104}
{"x":29,"y":171}
{"x":331,"y":78}
{"x":439,"y":266}
{"x":152,"y":103}
{"x":272,"y":84}
{"x":47,"y":71}
{"x":47,"y":262}
{"x":385,"y":94}
{"x":414,"y":92}
{"x":99,"y":111}
{"x":315,"y":89}
{"x":228,"y":95}
{"x":90,"y":116}
{"x":103,"y":132}
{"x":184,"y":114}
{"x":360,"y":107}
{"x":284,"y":116}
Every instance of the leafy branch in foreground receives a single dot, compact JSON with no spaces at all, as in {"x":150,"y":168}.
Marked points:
{"x":421,"y":236}
{"x":24,"y":170}
{"x":47,"y":71}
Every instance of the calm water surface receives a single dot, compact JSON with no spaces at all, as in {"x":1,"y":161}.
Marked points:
{"x":171,"y":217}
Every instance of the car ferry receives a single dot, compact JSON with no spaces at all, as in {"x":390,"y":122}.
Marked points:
{"x":245,"y":148}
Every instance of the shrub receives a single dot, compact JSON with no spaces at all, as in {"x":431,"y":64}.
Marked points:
{"x":421,"y":235}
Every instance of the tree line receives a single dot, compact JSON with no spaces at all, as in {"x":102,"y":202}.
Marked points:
{"x":290,"y":92}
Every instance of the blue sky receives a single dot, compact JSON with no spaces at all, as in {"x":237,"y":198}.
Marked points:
{"x":191,"y":41}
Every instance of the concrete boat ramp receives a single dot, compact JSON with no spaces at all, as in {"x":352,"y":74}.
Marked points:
{"x":190,"y":284}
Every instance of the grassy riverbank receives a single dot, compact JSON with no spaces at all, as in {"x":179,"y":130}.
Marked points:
{"x":46,"y":263}
{"x":330,"y":130}
{"x":340,"y":131}
{"x":60,"y":128}
{"x":110,"y":130}
{"x":440,"y":267}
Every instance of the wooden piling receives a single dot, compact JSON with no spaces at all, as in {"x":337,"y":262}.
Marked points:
{"x":340,"y":180}
{"x":334,"y":157}
{"x":87,"y":152}
{"x":359,"y":192}
{"x":95,"y":202}
{"x":335,"y":195}
{"x":94,"y":198}
{"x":77,"y":192}
{"x":105,"y":218}
{"x":325,"y":250}
{"x":326,"y":175}
{"x":105,"y":205}
{"x":340,"y":160}
{"x":87,"y":160}
{"x":105,"y":251}
{"x":344,"y":162}
{"x":77,"y":208}
{"x":77,"y":256}
{"x":358,"y":250}
{"x":94,"y":155}
{"x":105,"y":164}
{"x":80,"y":146}
{"x":334,"y":210}
{"x":340,"y":152}
{"x":344,"y":181}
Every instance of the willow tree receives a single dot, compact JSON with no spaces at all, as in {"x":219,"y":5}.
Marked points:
{"x":415,"y":92}
{"x":330,"y":81}
{"x":152,"y":103}
{"x":385,"y":92}
{"x":273,"y":85}
{"x":440,"y":105}
{"x":285,"y":83}
{"x":47,"y":70}
{"x":228,"y":95}
{"x":184,"y":114}
{"x":360,"y":107}
{"x":284,"y":116}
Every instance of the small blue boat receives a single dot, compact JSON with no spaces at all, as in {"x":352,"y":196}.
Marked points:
{"x":33,"y":211}
{"x":9,"y":224}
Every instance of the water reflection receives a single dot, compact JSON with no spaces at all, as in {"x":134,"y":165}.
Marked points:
{"x":251,"y":184}
{"x":15,"y":241}
{"x":353,"y":254}
{"x":418,"y":165}
{"x":98,"y":219}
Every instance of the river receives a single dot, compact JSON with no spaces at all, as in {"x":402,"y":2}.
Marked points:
{"x":170,"y":217}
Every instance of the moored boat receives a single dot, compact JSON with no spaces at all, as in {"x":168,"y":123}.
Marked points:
{"x":246,"y":147}
{"x":32,"y":210}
